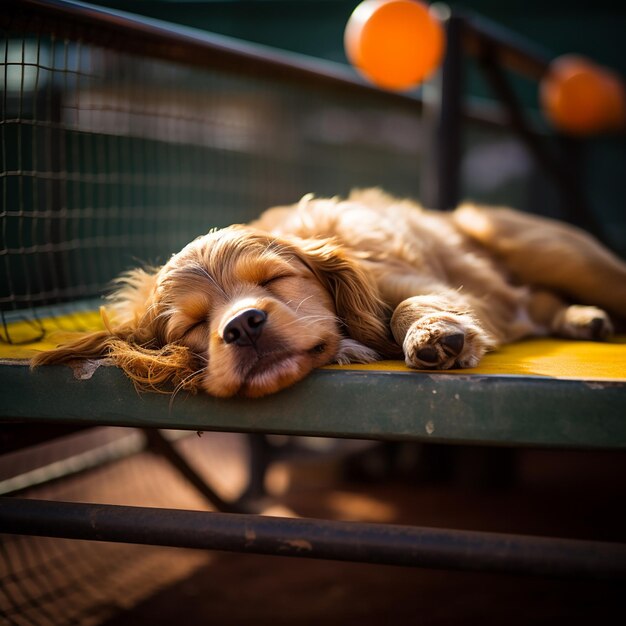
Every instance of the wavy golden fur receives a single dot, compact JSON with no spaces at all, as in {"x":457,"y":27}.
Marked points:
{"x":252,"y":309}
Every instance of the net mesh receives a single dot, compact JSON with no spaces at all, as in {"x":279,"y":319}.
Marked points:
{"x":111,"y":160}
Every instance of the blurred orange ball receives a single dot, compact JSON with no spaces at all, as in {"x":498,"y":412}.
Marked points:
{"x":580,"y":97}
{"x":395,"y":44}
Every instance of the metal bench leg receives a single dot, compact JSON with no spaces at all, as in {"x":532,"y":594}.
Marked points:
{"x":159,"y":444}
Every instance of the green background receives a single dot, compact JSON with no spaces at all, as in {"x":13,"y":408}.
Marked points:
{"x":315,"y":27}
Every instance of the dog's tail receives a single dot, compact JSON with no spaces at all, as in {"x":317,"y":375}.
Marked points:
{"x":549,"y":254}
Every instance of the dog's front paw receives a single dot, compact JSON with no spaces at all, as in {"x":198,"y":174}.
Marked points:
{"x":445,"y":341}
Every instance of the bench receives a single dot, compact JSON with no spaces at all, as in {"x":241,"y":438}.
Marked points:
{"x":125,"y":138}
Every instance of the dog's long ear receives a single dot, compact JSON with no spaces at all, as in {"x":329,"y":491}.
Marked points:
{"x":357,"y":301}
{"x":132,"y":340}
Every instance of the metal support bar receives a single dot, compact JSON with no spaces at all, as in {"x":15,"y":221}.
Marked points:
{"x":344,"y":541}
{"x":443,"y":111}
{"x":569,"y":186}
{"x":514,"y":51}
{"x":261,"y":454}
{"x":158,"y":443}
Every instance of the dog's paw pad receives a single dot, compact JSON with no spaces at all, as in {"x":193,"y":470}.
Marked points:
{"x":445,"y":341}
{"x":599,"y":329}
{"x":448,"y":346}
{"x":453,"y":344}
{"x":583,"y":322}
{"x":428,"y":355}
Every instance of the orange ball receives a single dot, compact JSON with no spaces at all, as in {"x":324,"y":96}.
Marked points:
{"x":395,"y":44}
{"x":580,"y":97}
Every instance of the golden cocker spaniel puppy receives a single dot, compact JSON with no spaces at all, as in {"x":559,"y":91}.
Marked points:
{"x":251,"y":309}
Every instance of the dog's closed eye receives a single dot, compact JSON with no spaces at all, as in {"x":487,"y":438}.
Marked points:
{"x":274,"y":279}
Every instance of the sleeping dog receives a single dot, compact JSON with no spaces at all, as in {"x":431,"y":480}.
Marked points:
{"x":251,"y":309}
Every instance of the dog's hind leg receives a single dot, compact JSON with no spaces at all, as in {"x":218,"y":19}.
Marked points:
{"x":553,"y":316}
{"x":548,"y":254}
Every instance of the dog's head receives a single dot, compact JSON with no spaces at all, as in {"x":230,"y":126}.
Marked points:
{"x":239,"y":311}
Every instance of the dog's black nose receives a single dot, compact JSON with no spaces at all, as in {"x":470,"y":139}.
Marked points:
{"x":245,"y":327}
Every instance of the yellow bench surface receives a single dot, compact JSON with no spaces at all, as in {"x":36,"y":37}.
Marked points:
{"x":553,"y":358}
